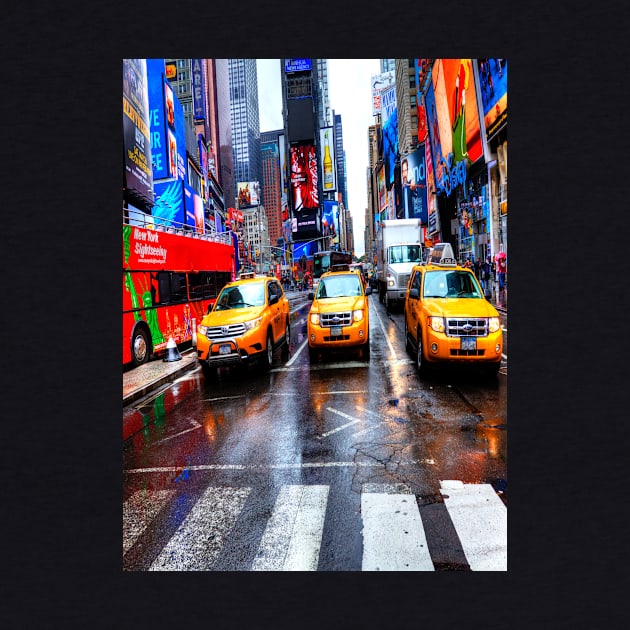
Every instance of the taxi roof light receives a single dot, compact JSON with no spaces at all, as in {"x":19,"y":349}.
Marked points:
{"x":441,"y":255}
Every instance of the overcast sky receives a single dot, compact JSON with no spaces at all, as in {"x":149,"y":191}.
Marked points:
{"x":350,"y":95}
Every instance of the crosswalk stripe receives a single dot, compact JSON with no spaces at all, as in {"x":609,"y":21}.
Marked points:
{"x":199,"y":539}
{"x":139,"y":510}
{"x":293,"y":536}
{"x":480,"y":520}
{"x":393,"y":534}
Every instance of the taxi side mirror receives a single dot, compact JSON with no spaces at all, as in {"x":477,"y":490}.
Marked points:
{"x":368,"y":290}
{"x":414,"y":293}
{"x":273,"y":299}
{"x":311,"y":296}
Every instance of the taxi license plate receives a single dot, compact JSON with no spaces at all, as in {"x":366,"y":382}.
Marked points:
{"x":225,"y":349}
{"x":335,"y":331}
{"x":469,"y":343}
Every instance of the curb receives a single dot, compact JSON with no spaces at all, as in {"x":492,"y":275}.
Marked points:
{"x":189,"y":362}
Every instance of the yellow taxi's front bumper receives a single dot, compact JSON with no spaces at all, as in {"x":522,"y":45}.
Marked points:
{"x":355,"y":334}
{"x":440,"y":347}
{"x":231,"y":351}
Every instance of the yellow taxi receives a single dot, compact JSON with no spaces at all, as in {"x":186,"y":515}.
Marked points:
{"x":249,"y":320}
{"x":447,"y":317}
{"x":339,"y":314}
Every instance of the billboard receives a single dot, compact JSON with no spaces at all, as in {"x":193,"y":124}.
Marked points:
{"x":422,"y":72}
{"x":169,"y":203}
{"x":283,"y":166}
{"x":330,"y":220}
{"x":297,"y":65}
{"x":389,"y":118}
{"x":493,"y":87}
{"x":379,"y":82}
{"x":136,"y":131}
{"x":198,"y":90}
{"x":300,"y":119}
{"x":453,"y":119}
{"x":247,"y":194}
{"x":166,"y":118}
{"x":170,"y":68}
{"x":327,"y":145}
{"x":413,"y":179}
{"x":193,"y":205}
{"x":303,"y":177}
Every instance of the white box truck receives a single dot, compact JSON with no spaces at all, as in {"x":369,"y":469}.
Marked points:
{"x":399,"y":248}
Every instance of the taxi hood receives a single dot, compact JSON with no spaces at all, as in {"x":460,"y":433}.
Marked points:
{"x":460,"y":307}
{"x":333,"y":305}
{"x":232,"y":316}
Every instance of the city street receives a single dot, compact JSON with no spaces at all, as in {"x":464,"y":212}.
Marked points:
{"x":341,"y":465}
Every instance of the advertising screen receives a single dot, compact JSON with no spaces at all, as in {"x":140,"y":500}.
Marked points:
{"x":136,"y":130}
{"x":169,"y":203}
{"x":247,"y":194}
{"x":193,"y":205}
{"x":166,"y":118}
{"x":379,"y":83}
{"x":493,"y":85}
{"x":297,"y":65}
{"x":389,"y":119}
{"x":414,"y":186}
{"x":198,"y":90}
{"x":303,"y":178}
{"x":330,"y":219}
{"x":327,"y":151}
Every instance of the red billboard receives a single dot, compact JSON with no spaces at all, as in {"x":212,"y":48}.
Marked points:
{"x":304,"y":178}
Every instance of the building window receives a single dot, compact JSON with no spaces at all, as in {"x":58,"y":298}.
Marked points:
{"x":412,"y":100}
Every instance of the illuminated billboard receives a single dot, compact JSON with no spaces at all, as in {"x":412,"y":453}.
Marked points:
{"x":136,"y":131}
{"x":198,"y":90}
{"x":414,"y":185}
{"x":327,"y":149}
{"x":247,"y":194}
{"x":297,"y":65}
{"x":169,"y":203}
{"x":330,"y":220}
{"x":193,"y":205}
{"x":303,"y":177}
{"x":493,"y":87}
{"x":389,"y":119}
{"x":166,"y":118}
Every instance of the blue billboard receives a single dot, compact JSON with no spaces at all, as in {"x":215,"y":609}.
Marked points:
{"x":166,"y":122}
{"x":413,"y":179}
{"x":198,"y":90}
{"x":297,"y":65}
{"x":169,"y":203}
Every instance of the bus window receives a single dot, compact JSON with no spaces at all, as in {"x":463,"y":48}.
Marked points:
{"x":178,"y":287}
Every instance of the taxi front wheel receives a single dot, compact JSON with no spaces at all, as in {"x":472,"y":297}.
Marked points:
{"x":422,"y":365}
{"x":268,"y":354}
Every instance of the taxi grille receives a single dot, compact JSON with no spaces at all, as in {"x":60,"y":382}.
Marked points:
{"x":223,"y":332}
{"x":336,"y":319}
{"x":466,"y":327}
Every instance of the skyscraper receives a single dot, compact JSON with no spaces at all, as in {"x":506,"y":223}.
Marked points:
{"x":245,"y":121}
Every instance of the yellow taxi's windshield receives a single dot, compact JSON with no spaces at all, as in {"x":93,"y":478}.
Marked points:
{"x":346,"y":285}
{"x":450,"y":283}
{"x":241,"y":296}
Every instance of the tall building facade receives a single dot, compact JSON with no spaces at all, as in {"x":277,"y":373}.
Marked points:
{"x":388,"y":64}
{"x":272,"y":183}
{"x":406,"y":102}
{"x":340,"y":157}
{"x":245,"y":121}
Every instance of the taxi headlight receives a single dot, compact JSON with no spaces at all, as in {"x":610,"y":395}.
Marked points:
{"x":252,"y":323}
{"x":437,"y":324}
{"x":357,"y":316}
{"x":494,"y":323}
{"x":202,"y":329}
{"x":315,"y":319}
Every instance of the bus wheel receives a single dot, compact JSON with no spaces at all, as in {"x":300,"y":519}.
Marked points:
{"x":140,"y":346}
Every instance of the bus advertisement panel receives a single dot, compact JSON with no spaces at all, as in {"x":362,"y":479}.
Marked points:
{"x":168,"y":281}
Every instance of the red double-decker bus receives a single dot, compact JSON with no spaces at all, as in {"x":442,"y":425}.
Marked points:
{"x":171,"y":275}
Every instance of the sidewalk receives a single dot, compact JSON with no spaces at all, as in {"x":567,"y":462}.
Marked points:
{"x":141,"y":380}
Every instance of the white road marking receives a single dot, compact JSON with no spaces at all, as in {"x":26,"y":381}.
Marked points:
{"x":343,"y":426}
{"x":171,"y":437}
{"x":393,"y":534}
{"x":266,"y":467}
{"x":389,"y":343}
{"x":139,"y":510}
{"x":199,"y":539}
{"x":480,"y":519}
{"x":290,"y":362}
{"x":293,"y":535}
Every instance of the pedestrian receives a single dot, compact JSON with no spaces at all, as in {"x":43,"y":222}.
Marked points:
{"x":486,"y":270}
{"x":501,"y":271}
{"x":477,"y":268}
